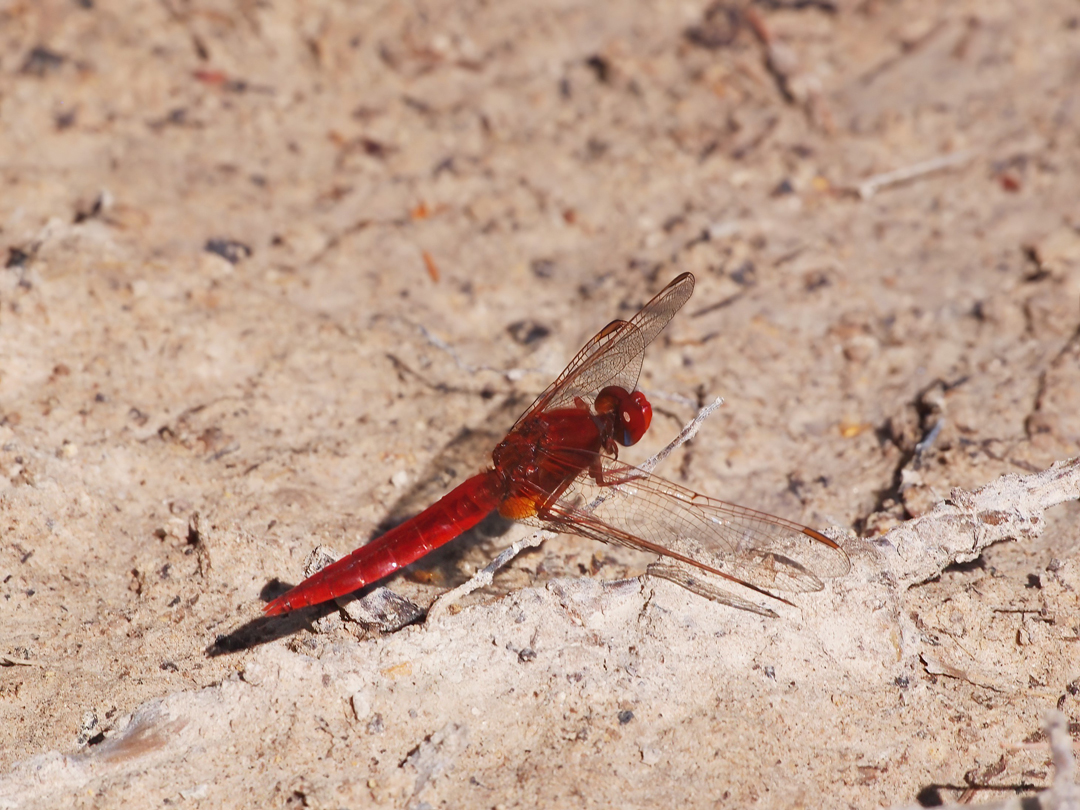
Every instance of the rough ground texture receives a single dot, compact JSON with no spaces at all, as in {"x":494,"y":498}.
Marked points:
{"x":237,"y":237}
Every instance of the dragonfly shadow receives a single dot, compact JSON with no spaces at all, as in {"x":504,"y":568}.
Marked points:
{"x":265,"y":629}
{"x":379,"y":610}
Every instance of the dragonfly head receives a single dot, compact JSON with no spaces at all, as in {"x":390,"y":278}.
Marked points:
{"x":630,"y":413}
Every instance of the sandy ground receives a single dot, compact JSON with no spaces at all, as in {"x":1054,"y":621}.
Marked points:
{"x":239,"y":237}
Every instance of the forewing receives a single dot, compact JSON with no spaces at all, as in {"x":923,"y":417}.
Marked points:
{"x":614,"y":355}
{"x":655,"y":315}
{"x":647,"y":512}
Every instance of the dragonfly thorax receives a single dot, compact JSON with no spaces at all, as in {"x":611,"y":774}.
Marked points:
{"x":540,"y":458}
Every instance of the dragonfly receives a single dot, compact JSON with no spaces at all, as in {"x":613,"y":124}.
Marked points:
{"x":558,"y":468}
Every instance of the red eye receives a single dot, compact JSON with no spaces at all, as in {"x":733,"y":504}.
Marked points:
{"x":637,"y":416}
{"x":632,"y":411}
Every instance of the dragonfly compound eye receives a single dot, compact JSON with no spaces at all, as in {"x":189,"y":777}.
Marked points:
{"x":632,"y":412}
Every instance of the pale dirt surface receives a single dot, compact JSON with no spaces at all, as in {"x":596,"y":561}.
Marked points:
{"x":557,"y":163}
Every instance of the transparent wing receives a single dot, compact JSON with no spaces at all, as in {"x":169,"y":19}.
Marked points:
{"x":683,"y":576}
{"x":643,"y":511}
{"x":615,"y":354}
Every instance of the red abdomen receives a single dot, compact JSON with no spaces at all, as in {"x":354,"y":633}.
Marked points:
{"x":456,"y":512}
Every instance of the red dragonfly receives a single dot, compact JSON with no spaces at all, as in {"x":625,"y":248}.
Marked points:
{"x":558,"y":468}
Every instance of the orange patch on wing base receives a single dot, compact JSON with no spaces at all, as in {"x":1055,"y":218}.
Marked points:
{"x":518,"y":508}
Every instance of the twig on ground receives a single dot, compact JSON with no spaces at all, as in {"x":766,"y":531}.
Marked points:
{"x":1063,"y":793}
{"x":798,"y":85}
{"x":484,"y":577}
{"x":511,"y":375}
{"x":872,"y":185}
{"x":684,"y":436}
{"x":957,"y":530}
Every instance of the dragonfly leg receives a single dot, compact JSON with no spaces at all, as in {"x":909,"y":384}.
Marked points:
{"x":625,"y":476}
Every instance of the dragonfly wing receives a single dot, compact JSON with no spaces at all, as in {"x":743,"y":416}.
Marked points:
{"x":613,"y":357}
{"x":644,"y":511}
{"x":684,"y":577}
{"x":615,"y":353}
{"x":655,"y":315}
